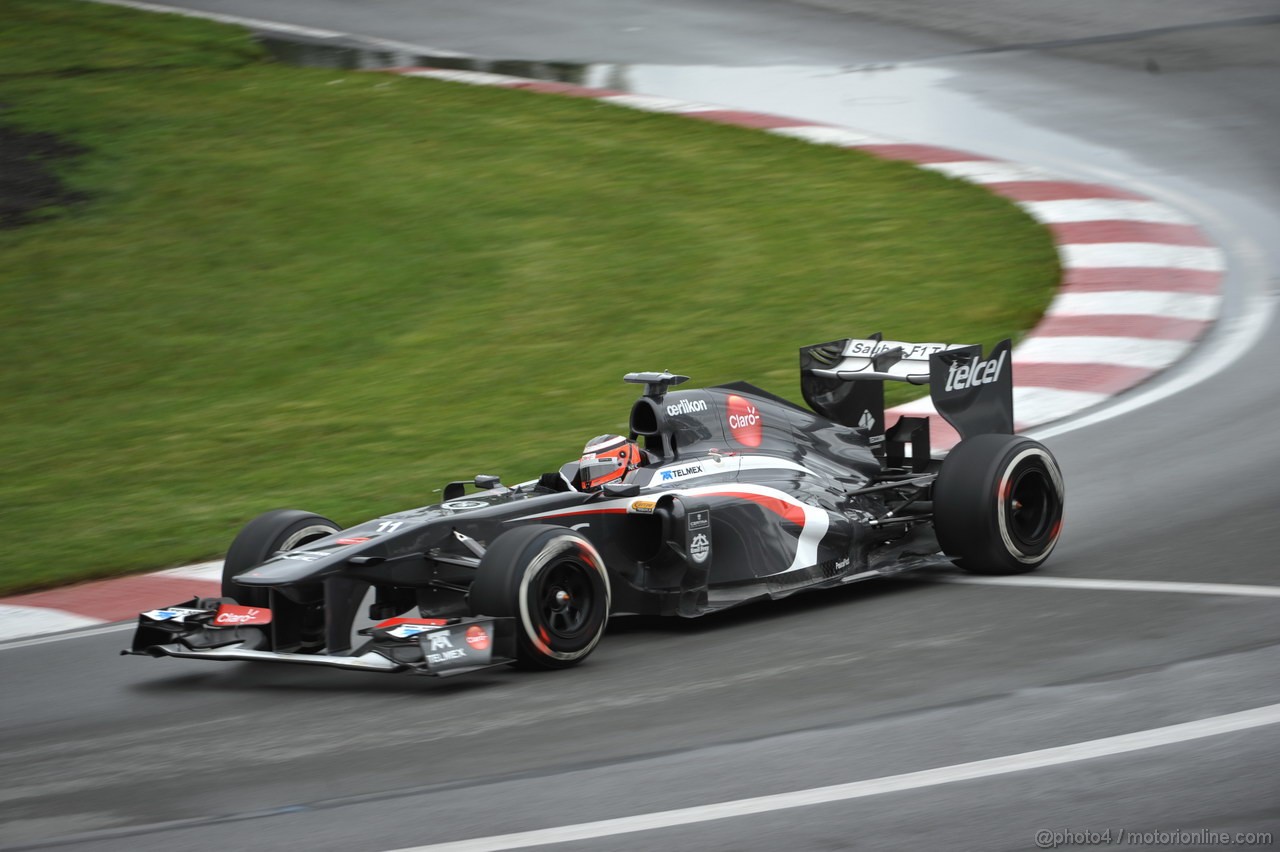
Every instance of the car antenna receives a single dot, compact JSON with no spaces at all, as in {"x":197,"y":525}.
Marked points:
{"x":656,"y":384}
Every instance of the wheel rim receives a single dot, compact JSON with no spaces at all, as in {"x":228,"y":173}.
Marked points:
{"x":1030,"y":506}
{"x":306,"y":535}
{"x":564,"y":627}
{"x":565,"y":599}
{"x":1030,"y":510}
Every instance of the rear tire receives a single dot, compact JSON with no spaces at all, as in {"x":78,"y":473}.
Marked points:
{"x":998,"y":504}
{"x":552,"y":581}
{"x":265,"y":535}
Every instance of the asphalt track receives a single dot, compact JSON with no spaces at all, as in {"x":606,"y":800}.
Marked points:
{"x":880,"y":680}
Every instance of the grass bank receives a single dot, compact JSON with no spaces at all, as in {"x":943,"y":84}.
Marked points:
{"x":337,"y":291}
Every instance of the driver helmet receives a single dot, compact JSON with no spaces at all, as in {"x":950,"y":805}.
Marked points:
{"x":607,"y":458}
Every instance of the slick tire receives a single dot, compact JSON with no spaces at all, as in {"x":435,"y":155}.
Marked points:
{"x":552,"y":581}
{"x":281,"y":529}
{"x":998,"y":504}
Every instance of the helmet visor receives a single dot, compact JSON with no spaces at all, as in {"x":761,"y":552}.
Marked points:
{"x":596,"y":472}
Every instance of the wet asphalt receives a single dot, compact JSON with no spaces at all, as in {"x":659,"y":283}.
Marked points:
{"x":1179,"y":99}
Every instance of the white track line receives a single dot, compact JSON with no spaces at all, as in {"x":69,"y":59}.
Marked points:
{"x":1141,"y":255}
{"x":820,"y":135}
{"x":650,"y":103}
{"x":279,"y":27}
{"x":1104,"y":210}
{"x":251,"y":23}
{"x":473,"y":78}
{"x":1085,"y":349}
{"x":1152,"y":303}
{"x":1119,"y":585}
{"x":19,"y":621}
{"x":206,"y":571}
{"x":1039,"y":759}
{"x":116,"y":627}
{"x":993,"y":171}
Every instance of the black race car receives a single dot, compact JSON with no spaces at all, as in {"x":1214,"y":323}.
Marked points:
{"x":740,"y":495}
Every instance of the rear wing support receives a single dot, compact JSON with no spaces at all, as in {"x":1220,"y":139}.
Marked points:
{"x":844,"y":381}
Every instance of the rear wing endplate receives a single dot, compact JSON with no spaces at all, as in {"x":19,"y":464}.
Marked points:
{"x":844,"y":381}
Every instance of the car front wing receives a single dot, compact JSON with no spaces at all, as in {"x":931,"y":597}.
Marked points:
{"x":220,"y":629}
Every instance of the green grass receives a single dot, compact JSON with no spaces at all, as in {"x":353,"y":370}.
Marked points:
{"x":339,"y":290}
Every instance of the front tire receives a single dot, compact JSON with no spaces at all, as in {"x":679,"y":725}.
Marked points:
{"x":998,"y":504}
{"x":554,"y":583}
{"x":265,"y":535}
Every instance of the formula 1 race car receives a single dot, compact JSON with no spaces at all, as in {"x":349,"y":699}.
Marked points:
{"x":734,"y":495}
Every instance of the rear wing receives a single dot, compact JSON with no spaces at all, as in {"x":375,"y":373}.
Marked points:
{"x":844,"y":381}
